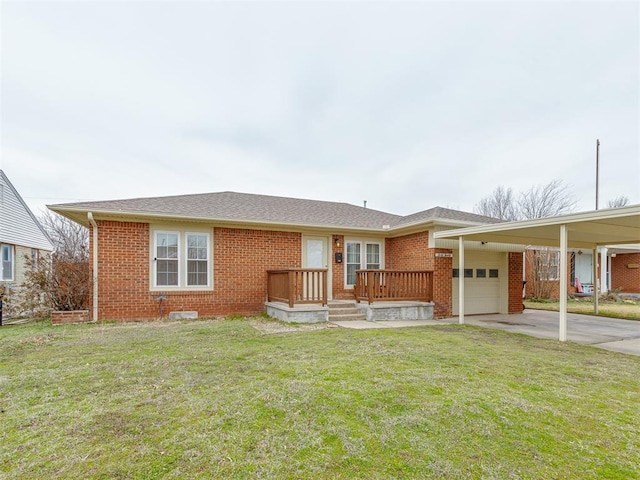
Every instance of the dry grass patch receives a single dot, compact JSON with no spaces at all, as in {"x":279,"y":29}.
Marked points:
{"x":626,"y":309}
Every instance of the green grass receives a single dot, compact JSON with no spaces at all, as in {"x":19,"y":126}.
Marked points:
{"x":218,"y":399}
{"x":629,"y":310}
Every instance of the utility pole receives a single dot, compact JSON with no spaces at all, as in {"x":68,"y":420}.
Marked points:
{"x":597,"y":169}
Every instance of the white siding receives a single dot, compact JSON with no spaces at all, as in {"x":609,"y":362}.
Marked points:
{"x":18,"y":226}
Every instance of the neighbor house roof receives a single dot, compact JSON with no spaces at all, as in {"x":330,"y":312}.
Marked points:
{"x":250,"y":208}
{"x":18,"y":224}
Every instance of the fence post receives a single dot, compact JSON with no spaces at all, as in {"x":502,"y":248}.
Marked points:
{"x":291,"y":294}
{"x":324,"y":287}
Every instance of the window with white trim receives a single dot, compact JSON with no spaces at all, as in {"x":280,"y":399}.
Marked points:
{"x":197,"y":259}
{"x":371,"y":260}
{"x":353,"y":262}
{"x":181,"y":259}
{"x":6,"y":265}
{"x":547,"y":264}
{"x":167,"y":262}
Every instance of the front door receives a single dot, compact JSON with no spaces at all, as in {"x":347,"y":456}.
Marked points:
{"x":316,"y":255}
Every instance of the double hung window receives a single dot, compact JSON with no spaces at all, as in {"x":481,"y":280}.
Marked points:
{"x":361,"y":256}
{"x":6,"y":266}
{"x":182,"y":259}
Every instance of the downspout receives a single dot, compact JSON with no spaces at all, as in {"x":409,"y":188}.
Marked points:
{"x":95,"y":266}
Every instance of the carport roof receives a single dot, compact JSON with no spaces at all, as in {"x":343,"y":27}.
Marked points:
{"x":613,"y":226}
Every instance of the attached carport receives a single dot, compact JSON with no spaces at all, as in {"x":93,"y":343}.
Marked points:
{"x":586,"y":230}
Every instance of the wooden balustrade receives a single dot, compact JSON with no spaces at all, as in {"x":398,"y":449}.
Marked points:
{"x":297,"y":285}
{"x":394,"y":285}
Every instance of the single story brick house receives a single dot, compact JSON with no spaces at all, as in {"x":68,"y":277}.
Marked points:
{"x":228,"y":253}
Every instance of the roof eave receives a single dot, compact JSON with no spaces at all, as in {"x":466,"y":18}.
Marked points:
{"x":79,"y":215}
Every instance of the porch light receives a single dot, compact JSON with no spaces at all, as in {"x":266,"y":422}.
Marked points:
{"x":337,"y":241}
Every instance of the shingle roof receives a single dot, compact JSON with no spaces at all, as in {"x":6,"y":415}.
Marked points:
{"x":232,"y":206}
{"x":447,"y":213}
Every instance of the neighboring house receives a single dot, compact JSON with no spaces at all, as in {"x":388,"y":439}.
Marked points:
{"x":624,"y":268}
{"x":618,"y":269}
{"x":216,"y":253}
{"x":21,"y":237}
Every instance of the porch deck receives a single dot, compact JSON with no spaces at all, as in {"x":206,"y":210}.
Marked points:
{"x":300,"y":295}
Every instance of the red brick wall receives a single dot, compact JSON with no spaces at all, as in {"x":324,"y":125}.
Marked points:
{"x":74,"y":316}
{"x":623,"y":277}
{"x":442,"y":281}
{"x":412,"y":252}
{"x":408,"y":252}
{"x":337,"y":274}
{"x":241,"y":259}
{"x":515,"y":282}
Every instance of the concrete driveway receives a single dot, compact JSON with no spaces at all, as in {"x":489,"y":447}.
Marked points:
{"x":609,"y":333}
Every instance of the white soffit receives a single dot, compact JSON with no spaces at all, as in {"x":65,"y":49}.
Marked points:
{"x":480,"y":246}
{"x":614,"y":226}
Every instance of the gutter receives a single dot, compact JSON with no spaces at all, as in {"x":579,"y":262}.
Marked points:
{"x":95,"y":266}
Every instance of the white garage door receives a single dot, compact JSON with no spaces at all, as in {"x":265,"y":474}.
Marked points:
{"x":482,"y":282}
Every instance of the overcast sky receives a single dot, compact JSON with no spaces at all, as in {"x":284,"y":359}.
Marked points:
{"x":405,"y":105}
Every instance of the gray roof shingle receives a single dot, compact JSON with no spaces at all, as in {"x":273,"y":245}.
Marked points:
{"x":232,"y":206}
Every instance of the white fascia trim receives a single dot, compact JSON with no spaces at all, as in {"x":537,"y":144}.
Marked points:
{"x":542,"y":222}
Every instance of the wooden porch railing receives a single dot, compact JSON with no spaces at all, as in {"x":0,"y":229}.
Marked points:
{"x":297,"y":285}
{"x":394,"y":285}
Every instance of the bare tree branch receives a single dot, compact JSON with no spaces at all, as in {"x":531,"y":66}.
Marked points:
{"x":70,"y":239}
{"x":548,"y":200}
{"x":617,"y":202}
{"x":499,"y":204}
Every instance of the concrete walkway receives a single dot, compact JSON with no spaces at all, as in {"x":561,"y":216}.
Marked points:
{"x":609,"y":333}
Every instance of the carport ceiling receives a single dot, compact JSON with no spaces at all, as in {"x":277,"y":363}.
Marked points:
{"x":614,"y":226}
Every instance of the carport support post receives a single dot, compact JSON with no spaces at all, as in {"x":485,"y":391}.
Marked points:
{"x":595,"y":280}
{"x":563,"y":283}
{"x":460,"y":280}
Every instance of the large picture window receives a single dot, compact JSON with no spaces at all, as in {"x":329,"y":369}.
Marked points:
{"x":361,"y":255}
{"x":181,"y":259}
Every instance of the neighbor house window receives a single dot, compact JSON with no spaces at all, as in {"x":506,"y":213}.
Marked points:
{"x":181,"y":259}
{"x":546,"y":264}
{"x":356,"y":260}
{"x":6,"y":267}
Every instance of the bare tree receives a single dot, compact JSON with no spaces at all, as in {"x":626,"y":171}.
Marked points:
{"x":70,"y":239}
{"x":544,"y":265}
{"x":539,"y":201}
{"x":548,"y":200}
{"x":499,"y":204}
{"x":62,"y":280}
{"x":620,"y":201}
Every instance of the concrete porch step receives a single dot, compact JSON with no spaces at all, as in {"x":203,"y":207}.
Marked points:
{"x":343,"y":311}
{"x":341,"y":304}
{"x":347,"y":316}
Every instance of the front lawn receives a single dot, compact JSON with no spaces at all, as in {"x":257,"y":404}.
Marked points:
{"x":220,"y":399}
